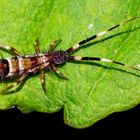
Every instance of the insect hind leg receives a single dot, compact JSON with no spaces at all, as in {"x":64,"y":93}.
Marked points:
{"x":10,"y":50}
{"x":15,"y":84}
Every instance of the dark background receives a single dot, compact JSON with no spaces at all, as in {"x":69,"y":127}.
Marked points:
{"x":45,"y":124}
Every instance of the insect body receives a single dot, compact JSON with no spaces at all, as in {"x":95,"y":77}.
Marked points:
{"x":22,"y":65}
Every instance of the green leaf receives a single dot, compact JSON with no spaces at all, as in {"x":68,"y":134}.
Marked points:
{"x":94,"y":90}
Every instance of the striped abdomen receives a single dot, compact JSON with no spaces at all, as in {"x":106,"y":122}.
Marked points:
{"x":20,"y":65}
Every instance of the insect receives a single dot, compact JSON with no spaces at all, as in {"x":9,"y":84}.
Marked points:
{"x":21,"y":66}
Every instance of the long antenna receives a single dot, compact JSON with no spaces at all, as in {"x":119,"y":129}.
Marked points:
{"x":78,"y":45}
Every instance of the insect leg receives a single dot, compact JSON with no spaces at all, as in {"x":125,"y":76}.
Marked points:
{"x":42,"y":72}
{"x":42,"y":79}
{"x":36,"y":46}
{"x":78,"y":45}
{"x":78,"y":58}
{"x":54,"y":44}
{"x":56,"y":70}
{"x":16,"y":83}
{"x":10,"y":50}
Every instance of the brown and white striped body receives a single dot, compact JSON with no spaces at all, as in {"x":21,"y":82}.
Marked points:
{"x":19,"y":65}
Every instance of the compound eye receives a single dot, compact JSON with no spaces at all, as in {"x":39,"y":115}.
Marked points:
{"x":59,"y":57}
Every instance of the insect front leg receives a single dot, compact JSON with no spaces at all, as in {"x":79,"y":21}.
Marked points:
{"x":56,"y":70}
{"x":15,"y":84}
{"x":54,"y":44}
{"x":10,"y":50}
